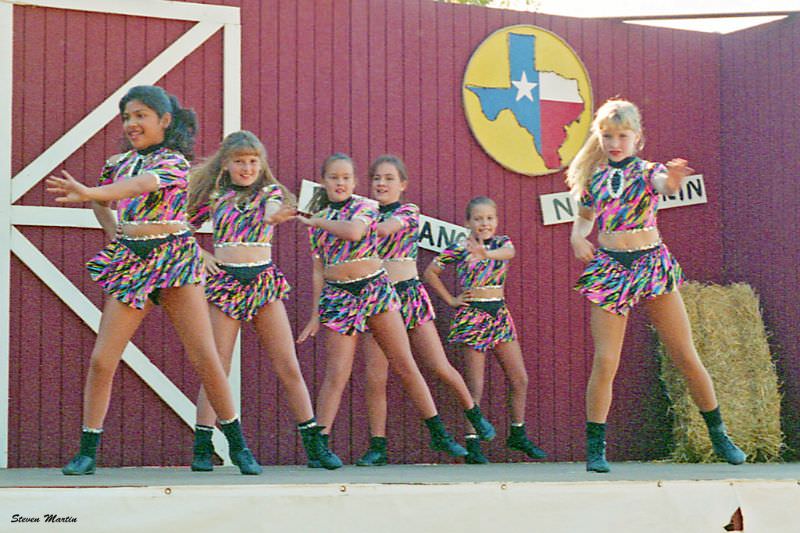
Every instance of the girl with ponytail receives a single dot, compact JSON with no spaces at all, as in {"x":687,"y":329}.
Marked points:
{"x":631,"y":266}
{"x":152,"y":258}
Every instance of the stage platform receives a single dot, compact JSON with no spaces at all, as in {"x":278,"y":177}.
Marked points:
{"x":518,"y":497}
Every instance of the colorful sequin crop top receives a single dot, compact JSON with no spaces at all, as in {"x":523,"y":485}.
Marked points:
{"x":625,"y":198}
{"x":333,"y":250}
{"x":401,"y":245}
{"x":239,"y":222}
{"x":473,"y":274}
{"x":165,"y":204}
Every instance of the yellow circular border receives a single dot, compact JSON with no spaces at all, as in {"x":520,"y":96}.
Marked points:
{"x":503,"y":138}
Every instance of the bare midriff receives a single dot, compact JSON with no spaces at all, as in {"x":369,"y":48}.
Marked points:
{"x":352,"y":270}
{"x":154,"y":229}
{"x":628,"y":241}
{"x":243,"y":253}
{"x":401,"y":270}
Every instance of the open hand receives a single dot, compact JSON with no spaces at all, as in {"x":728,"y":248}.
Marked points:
{"x":67,"y":188}
{"x":476,"y":249}
{"x":678,"y":169}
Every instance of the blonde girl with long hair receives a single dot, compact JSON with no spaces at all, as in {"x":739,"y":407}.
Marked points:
{"x":632,"y":265}
{"x":236,"y":190}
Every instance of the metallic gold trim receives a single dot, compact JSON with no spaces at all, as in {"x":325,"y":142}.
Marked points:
{"x":228,"y":244}
{"x":624,"y":231}
{"x":151,"y":237}
{"x":643,"y":248}
{"x":253,"y":264}
{"x":143,"y":222}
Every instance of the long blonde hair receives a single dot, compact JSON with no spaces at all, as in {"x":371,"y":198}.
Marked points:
{"x":211,"y":176}
{"x":613,"y":114}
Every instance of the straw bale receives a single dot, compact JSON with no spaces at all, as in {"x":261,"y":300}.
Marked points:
{"x":729,"y":334}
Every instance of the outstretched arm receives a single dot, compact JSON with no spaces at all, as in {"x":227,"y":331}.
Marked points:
{"x":349,"y":230}
{"x":70,"y":190}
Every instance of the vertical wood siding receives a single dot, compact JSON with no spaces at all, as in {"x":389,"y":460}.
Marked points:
{"x":365,"y":77}
{"x":760,"y":139}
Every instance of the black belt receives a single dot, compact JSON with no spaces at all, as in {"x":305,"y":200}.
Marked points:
{"x":245,"y":274}
{"x":627,"y":258}
{"x":407,"y":284}
{"x":143,"y":248}
{"x":489,"y":306}
{"x":354,"y":287}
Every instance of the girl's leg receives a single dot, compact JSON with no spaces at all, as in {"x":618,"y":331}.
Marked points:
{"x":275,"y":333}
{"x":608,"y":333}
{"x":187,"y":309}
{"x":377,"y":377}
{"x":389,"y":332}
{"x":510,"y":356}
{"x":225,"y":330}
{"x":427,"y":345}
{"x":668,"y":315}
{"x":339,"y":353}
{"x":117,"y":325}
{"x":475,"y":368}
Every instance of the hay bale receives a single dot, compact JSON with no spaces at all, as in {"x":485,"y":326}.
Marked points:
{"x":730,"y":337}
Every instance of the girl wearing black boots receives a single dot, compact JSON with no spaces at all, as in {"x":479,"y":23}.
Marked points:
{"x":152,"y":258}
{"x":632,"y":266}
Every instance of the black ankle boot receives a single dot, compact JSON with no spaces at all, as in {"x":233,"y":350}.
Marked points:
{"x":483,"y":428}
{"x":84,"y":461}
{"x":722,"y":443}
{"x":724,"y":446}
{"x":241,"y":455}
{"x":475,"y":454}
{"x":375,"y":454}
{"x":316,"y":446}
{"x":518,"y":440}
{"x":203,"y":449}
{"x":596,"y":448}
{"x":441,"y":440}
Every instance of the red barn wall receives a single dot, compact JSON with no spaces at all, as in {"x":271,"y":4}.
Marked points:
{"x":760,"y":139}
{"x":365,"y":77}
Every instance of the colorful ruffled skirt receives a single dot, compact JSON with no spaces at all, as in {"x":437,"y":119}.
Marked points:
{"x":415,"y":303}
{"x":617,"y":281}
{"x":240,"y":291}
{"x":345,"y":307}
{"x":134,"y":270}
{"x":482,"y":325}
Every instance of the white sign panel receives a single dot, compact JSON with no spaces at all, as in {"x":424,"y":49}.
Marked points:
{"x":559,"y":208}
{"x":434,"y":234}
